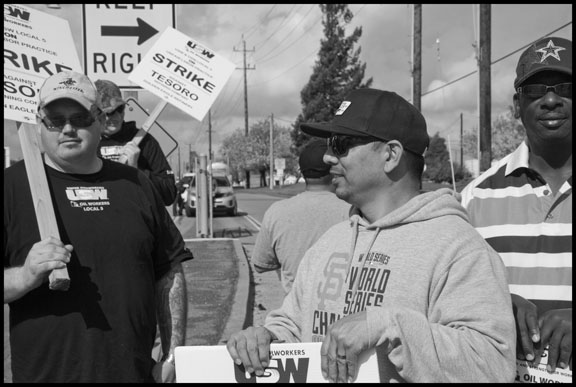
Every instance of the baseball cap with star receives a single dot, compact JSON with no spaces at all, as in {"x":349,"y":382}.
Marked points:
{"x":551,"y":53}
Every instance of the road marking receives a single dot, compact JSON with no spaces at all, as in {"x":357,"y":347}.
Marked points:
{"x":254,"y":222}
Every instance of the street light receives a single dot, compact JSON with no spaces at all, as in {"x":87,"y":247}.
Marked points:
{"x":53,"y":6}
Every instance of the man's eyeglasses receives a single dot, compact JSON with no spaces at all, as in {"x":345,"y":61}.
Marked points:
{"x":340,"y":143}
{"x":119,"y":110}
{"x":77,"y":121}
{"x":538,"y":90}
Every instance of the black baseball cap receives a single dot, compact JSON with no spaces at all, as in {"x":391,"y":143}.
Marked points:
{"x":551,"y":53}
{"x":311,"y":160}
{"x":376,"y":113}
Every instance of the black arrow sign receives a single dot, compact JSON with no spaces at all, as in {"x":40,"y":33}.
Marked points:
{"x":144,"y":31}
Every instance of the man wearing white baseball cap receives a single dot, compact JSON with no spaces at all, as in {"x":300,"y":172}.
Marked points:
{"x":117,"y":241}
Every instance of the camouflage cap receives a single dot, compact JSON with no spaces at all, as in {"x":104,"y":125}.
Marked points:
{"x":111,"y":95}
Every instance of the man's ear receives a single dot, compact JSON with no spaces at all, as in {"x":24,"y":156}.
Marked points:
{"x":516,"y":105}
{"x":392,"y":155}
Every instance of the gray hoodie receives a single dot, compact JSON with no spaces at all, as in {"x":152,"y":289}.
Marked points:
{"x":432,"y":287}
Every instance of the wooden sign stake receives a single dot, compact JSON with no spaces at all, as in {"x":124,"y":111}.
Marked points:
{"x":42,"y":201}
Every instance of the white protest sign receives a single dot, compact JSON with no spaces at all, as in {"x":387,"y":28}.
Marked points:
{"x":36,"y":46}
{"x":537,"y":373}
{"x":183,"y":72}
{"x":289,"y":363}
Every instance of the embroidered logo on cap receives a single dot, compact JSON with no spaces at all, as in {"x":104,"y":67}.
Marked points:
{"x":343,"y":106}
{"x":68,"y":82}
{"x":550,"y":50}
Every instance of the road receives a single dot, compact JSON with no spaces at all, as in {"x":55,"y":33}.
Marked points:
{"x":251,"y":209}
{"x":268,"y":293}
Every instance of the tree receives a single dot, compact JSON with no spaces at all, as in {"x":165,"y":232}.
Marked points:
{"x":438,"y":163}
{"x":252,"y":152}
{"x":437,"y":160}
{"x":336,"y":72}
{"x":507,"y":134}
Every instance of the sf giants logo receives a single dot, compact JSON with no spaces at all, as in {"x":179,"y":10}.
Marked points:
{"x":334,"y":276}
{"x":276,"y":372}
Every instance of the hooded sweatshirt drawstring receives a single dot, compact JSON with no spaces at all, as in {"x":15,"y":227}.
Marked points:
{"x":351,"y":259}
{"x":352,"y":246}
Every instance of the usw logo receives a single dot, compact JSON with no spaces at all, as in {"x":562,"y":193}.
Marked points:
{"x":16,"y":12}
{"x":294,"y":370}
{"x":200,"y":49}
{"x":87,"y":194}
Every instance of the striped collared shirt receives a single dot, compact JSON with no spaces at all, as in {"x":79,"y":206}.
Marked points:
{"x":514,"y":209}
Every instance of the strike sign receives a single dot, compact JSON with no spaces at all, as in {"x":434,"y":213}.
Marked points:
{"x":36,"y":46}
{"x":183,"y":72}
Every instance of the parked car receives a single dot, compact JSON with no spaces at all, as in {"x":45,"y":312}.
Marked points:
{"x":290,"y":179}
{"x":181,"y":188}
{"x":223,"y":197}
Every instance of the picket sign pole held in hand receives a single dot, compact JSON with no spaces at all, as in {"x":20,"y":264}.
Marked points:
{"x":42,"y":201}
{"x":145,"y":127}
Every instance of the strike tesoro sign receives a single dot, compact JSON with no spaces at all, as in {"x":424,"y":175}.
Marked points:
{"x":183,"y":72}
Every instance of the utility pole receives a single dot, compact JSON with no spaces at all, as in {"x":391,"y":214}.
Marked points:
{"x":272,"y":151}
{"x":190,"y":161}
{"x":179,"y":165}
{"x":485,"y":101}
{"x":416,"y":56}
{"x":245,"y":84}
{"x":461,"y":140}
{"x":210,"y":137}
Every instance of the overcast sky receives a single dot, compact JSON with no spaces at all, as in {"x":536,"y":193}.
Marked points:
{"x":285,"y":39}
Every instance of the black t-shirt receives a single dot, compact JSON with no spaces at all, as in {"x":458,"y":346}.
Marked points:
{"x":102,"y":328}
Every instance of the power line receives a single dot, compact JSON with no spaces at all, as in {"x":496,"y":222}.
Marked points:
{"x":259,"y":22}
{"x":494,"y":62}
{"x":277,"y":28}
{"x":285,"y":71}
{"x":288,"y":35}
{"x":304,"y":33}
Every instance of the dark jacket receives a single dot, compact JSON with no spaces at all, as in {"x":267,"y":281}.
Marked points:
{"x":151,"y":161}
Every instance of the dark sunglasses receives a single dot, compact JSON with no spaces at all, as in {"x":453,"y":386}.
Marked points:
{"x":537,"y":91}
{"x":340,"y":143}
{"x":77,"y":121}
{"x":119,"y":110}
